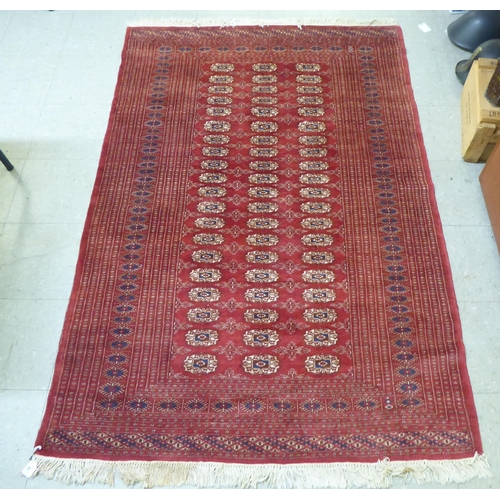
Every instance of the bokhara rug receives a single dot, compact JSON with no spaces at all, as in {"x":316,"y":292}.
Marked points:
{"x":263,"y":292}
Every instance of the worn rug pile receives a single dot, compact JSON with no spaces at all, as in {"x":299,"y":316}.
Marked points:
{"x":262,"y":293}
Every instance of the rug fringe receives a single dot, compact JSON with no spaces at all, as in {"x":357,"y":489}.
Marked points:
{"x":191,"y":23}
{"x":219,"y":475}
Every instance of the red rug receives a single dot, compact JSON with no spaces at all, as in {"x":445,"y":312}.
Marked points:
{"x":263,"y":292}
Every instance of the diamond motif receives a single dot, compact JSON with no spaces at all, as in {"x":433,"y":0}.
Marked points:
{"x":261,"y":364}
{"x":261,"y":316}
{"x":209,"y":222}
{"x":217,"y":126}
{"x":222,"y":100}
{"x":263,"y":178}
{"x":317,"y":257}
{"x":214,"y":207}
{"x":200,"y":315}
{"x":262,"y":207}
{"x":311,"y":126}
{"x":262,"y":239}
{"x":320,"y":315}
{"x":319,"y":276}
{"x":318,"y":295}
{"x":216,"y":139}
{"x":261,"y":338}
{"x":322,"y":364}
{"x":223,"y":67}
{"x":215,"y":151}
{"x":308,"y":78}
{"x":307,"y":67}
{"x":316,"y":223}
{"x":214,"y":164}
{"x":218,"y":112}
{"x":264,"y":79}
{"x":312,"y":152}
{"x":313,"y":207}
{"x":314,"y":179}
{"x":222,"y":79}
{"x":211,"y":177}
{"x":311,"y":111}
{"x":205,"y":275}
{"x":265,"y":89}
{"x":208,"y":239}
{"x":313,"y":165}
{"x":202,"y":337}
{"x":264,"y":99}
{"x":314,"y":192}
{"x":261,"y":223}
{"x":262,"y":257}
{"x":204,"y":294}
{"x":311,"y":100}
{"x":263,"y":152}
{"x":264,"y":140}
{"x":306,"y":89}
{"x":220,"y":89}
{"x":321,"y":337}
{"x":200,"y":363}
{"x":265,"y":67}
{"x":215,"y":191}
{"x":263,"y":192}
{"x":264,"y":126}
{"x":263,"y":165}
{"x":317,"y":240}
{"x":261,"y":275}
{"x":209,"y":256}
{"x":261,"y":295}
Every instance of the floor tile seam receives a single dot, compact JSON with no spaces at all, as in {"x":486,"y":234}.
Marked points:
{"x":23,"y":390}
{"x":442,"y":213}
{"x":18,"y":171}
{"x":479,"y":301}
{"x":35,"y":298}
{"x":44,"y":104}
{"x":53,"y":223}
{"x":31,"y":299}
{"x":6,"y":29}
{"x":486,"y":393}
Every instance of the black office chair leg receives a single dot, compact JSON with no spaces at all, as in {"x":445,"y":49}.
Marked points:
{"x":6,"y":162}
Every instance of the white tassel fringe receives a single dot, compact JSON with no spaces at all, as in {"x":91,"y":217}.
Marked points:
{"x":220,"y":475}
{"x":262,"y":22}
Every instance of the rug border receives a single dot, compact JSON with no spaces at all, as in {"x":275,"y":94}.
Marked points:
{"x":64,"y":339}
{"x":445,"y":262}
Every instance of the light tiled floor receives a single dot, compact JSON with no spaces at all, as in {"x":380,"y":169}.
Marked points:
{"x":58,"y":75}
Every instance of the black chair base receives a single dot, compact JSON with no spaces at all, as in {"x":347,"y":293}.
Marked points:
{"x":6,"y":162}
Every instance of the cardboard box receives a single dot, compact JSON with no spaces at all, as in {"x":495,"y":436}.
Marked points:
{"x":480,"y":120}
{"x":490,"y":184}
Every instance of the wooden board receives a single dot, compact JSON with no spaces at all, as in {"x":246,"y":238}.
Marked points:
{"x":480,"y":119}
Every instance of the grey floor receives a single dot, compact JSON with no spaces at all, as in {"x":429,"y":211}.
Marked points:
{"x":58,"y":73}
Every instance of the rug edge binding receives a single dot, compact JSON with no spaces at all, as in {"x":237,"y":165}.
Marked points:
{"x":189,"y":23}
{"x":217,"y":475}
